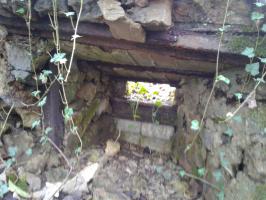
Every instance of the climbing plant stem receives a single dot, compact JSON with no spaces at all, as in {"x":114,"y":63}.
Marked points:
{"x":214,"y":82}
{"x":74,"y":38}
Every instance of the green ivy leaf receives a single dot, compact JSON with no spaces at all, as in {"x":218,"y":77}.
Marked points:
{"x":218,"y":175}
{"x":47,"y":130}
{"x":229,"y":132}
{"x":78,"y":150}
{"x":263,"y":60}
{"x":42,"y":102}
{"x":220,"y":195}
{"x":3,"y":189}
{"x":223,"y":78}
{"x":182,"y":173}
{"x":249,"y":52}
{"x":35,"y":124}
{"x":9,"y":162}
{"x":47,"y":72}
{"x":29,"y":152}
{"x":68,"y":113}
{"x":195,"y":125}
{"x":58,"y":58}
{"x":256,"y":16}
{"x":238,"y":95}
{"x":259,"y":80}
{"x":74,"y":129}
{"x":237,"y":118}
{"x":12,"y":151}
{"x":43,"y":78}
{"x":263,"y":28}
{"x":21,"y":11}
{"x":223,"y":29}
{"x":201,"y":171}
{"x":43,"y":139}
{"x":36,"y":93}
{"x":259,"y":4}
{"x":68,"y":14}
{"x":253,"y":68}
{"x":60,"y":78}
{"x":223,"y":161}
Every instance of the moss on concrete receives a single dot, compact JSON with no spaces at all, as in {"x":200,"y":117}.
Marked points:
{"x":83,"y":119}
{"x":260,"y":193}
{"x":259,"y":116}
{"x":238,"y":43}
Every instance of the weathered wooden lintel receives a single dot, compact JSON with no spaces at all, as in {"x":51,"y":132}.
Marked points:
{"x":164,"y":43}
{"x":141,"y":73}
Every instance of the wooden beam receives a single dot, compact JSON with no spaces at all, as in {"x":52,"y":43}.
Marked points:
{"x":141,"y":73}
{"x":165,"y":43}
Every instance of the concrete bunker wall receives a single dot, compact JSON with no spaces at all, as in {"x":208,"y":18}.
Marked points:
{"x":183,"y":55}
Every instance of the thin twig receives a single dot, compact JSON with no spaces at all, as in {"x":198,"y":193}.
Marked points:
{"x":68,"y":163}
{"x":74,"y":41}
{"x":5,"y":122}
{"x":202,"y":180}
{"x":247,"y":98}
{"x":215,"y":81}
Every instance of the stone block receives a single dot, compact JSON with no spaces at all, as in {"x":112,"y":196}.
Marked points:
{"x":156,"y":16}
{"x":121,"y":26}
{"x":90,"y":12}
{"x":130,"y":138}
{"x":157,"y":131}
{"x":128,"y":126}
{"x":160,"y":145}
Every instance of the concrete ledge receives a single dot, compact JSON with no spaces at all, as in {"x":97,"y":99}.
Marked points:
{"x":156,"y":137}
{"x":128,"y":126}
{"x":163,"y":146}
{"x":158,"y":131}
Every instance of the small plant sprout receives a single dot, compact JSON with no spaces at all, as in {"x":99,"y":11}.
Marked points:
{"x":44,"y":138}
{"x":59,"y":58}
{"x":229,"y":132}
{"x":223,"y":79}
{"x":28,"y":152}
{"x":42,"y":102}
{"x":195,"y":125}
{"x":35,"y":124}
{"x":238,"y":96}
{"x":201,"y":172}
{"x":182,"y":173}
{"x":68,"y":113}
{"x":218,"y":176}
{"x":12,"y":151}
{"x":36,"y":93}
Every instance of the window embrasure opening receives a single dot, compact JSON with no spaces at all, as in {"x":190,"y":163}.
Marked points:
{"x":151,"y":93}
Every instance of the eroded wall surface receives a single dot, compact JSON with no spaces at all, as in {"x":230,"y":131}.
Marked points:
{"x":233,"y":151}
